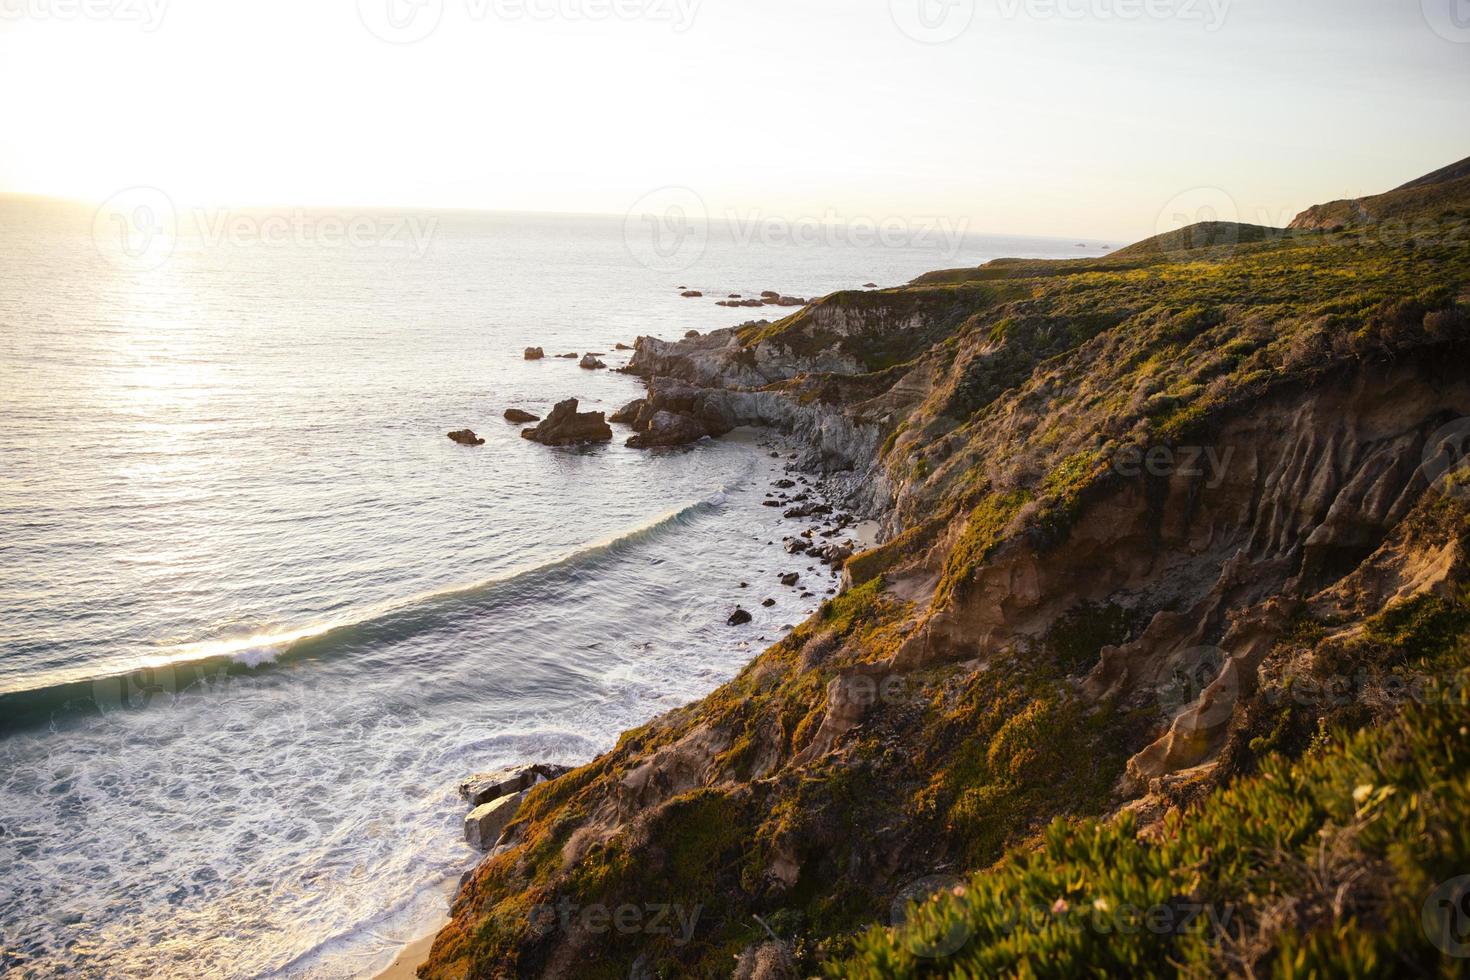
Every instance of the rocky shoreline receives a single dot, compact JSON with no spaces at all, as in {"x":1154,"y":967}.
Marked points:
{"x":1069,"y":619}
{"x":833,"y":509}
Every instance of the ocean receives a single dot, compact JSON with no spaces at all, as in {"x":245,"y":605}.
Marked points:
{"x":258,"y":616}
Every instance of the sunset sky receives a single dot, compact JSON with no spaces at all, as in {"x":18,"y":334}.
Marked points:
{"x":1048,"y":117}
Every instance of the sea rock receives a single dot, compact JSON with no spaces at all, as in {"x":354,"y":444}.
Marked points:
{"x":483,"y":787}
{"x":621,"y":346}
{"x":674,"y":413}
{"x":691,"y":333}
{"x":573,"y":356}
{"x":628,"y":414}
{"x":835,"y":555}
{"x":770,"y":294}
{"x":796,"y":546}
{"x":790,"y":578}
{"x":738,"y":618}
{"x":870,"y":285}
{"x":691,"y":293}
{"x":485,"y":823}
{"x":566,"y":426}
{"x":534,"y":353}
{"x":591,"y":363}
{"x":768,"y":602}
{"x":669,"y":429}
{"x":519,"y":415}
{"x":466,"y":437}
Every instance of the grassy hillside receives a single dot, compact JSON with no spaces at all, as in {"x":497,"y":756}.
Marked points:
{"x":1005,"y":698}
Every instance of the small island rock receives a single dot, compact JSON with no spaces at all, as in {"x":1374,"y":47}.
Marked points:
{"x":466,"y":437}
{"x":566,"y":426}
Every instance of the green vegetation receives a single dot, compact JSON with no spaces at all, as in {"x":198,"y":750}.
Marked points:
{"x":1314,"y":867}
{"x":983,"y":530}
{"x":1000,"y":396}
{"x":1318,"y":865}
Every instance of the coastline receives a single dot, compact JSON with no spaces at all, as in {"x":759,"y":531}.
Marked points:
{"x":412,"y":956}
{"x":784,"y":449}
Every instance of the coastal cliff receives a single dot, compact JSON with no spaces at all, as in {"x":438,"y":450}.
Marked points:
{"x":1167,"y":535}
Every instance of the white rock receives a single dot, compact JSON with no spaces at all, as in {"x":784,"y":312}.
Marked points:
{"x":483,"y":826}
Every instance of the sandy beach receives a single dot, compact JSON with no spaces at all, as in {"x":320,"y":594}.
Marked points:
{"x":409,"y":959}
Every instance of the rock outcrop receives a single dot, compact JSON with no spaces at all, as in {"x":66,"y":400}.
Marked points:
{"x":486,"y":822}
{"x":483,"y":787}
{"x":668,"y":429}
{"x":495,"y":799}
{"x":628,"y":414}
{"x":520,"y":415}
{"x":466,"y":437}
{"x":534,"y":353}
{"x":590,"y":362}
{"x":566,"y":426}
{"x":673,"y":413}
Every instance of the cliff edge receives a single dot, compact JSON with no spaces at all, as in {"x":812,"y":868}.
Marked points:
{"x":1170,"y":614}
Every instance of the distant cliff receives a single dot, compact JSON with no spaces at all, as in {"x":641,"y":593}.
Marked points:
{"x":1170,"y":616}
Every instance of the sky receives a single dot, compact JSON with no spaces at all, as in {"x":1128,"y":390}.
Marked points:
{"x":1100,"y":118}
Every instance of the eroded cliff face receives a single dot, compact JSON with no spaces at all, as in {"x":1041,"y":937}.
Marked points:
{"x":1117,"y":494}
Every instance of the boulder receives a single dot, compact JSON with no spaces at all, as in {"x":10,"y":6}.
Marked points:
{"x":797,"y":545}
{"x":768,"y":602}
{"x":621,"y":346}
{"x":770,"y":294}
{"x":691,"y":293}
{"x":566,"y":426}
{"x":483,"y":787}
{"x":790,"y":578}
{"x":835,"y":555}
{"x":485,"y":823}
{"x":466,"y":437}
{"x":870,"y":285}
{"x":517,"y":415}
{"x":738,"y":618}
{"x":591,"y":363}
{"x":573,"y":356}
{"x":669,"y":429}
{"x":534,"y":353}
{"x":628,"y":414}
{"x":688,"y":334}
